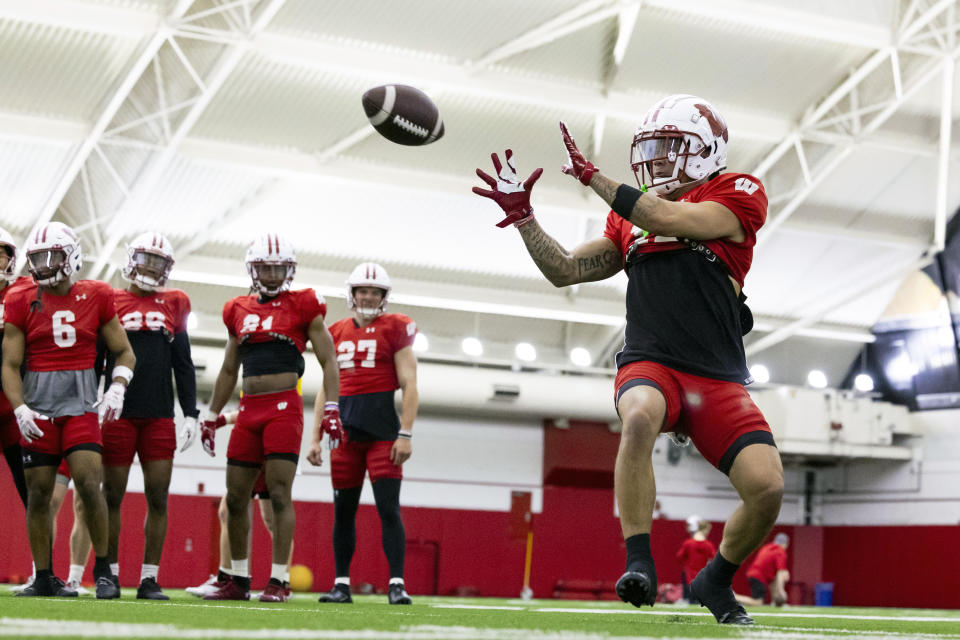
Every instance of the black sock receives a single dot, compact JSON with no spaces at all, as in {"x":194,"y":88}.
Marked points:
{"x":720,"y":571}
{"x":101,"y":568}
{"x":638,"y":553}
{"x":386,"y":493}
{"x":221,"y":576}
{"x":242,"y":582}
{"x":43,"y":574}
{"x":345,"y":504}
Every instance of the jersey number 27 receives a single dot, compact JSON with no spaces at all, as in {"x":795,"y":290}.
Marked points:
{"x":347,"y":349}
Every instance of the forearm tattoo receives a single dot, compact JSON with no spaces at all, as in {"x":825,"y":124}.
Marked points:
{"x":598,"y":266}
{"x":553,"y":260}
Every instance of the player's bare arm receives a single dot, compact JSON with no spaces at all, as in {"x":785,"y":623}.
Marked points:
{"x":326,"y":353}
{"x":315,"y":455}
{"x":227,"y":377}
{"x":693,"y":220}
{"x":405,"y":362}
{"x":115,"y":338}
{"x":14,"y":346}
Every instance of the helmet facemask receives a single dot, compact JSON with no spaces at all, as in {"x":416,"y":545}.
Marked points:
{"x":271,"y":278}
{"x":48,"y":266}
{"x":367,"y":312}
{"x":659,"y":159}
{"x":149,"y":270}
{"x":9,"y":273}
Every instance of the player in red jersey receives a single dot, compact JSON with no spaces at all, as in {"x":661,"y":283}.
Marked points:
{"x":55,"y":323}
{"x":155,"y":321}
{"x":685,"y":239}
{"x":9,"y":432}
{"x":376,"y":358}
{"x":694,"y":554}
{"x":268,"y":332}
{"x":769,"y":568}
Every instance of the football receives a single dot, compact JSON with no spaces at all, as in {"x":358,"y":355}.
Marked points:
{"x":403,"y":114}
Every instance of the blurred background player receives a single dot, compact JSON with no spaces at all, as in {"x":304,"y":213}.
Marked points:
{"x":155,"y":321}
{"x":769,"y":569}
{"x":262,"y":497}
{"x":9,"y":432}
{"x":376,"y":358}
{"x":685,"y":239}
{"x":694,"y":554}
{"x":55,"y":324}
{"x":268,"y":332}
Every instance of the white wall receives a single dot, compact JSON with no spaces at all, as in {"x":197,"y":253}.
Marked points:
{"x":923,"y":491}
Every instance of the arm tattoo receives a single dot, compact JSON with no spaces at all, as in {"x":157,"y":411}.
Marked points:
{"x":643,"y":210}
{"x":598,"y":266}
{"x":553,"y":260}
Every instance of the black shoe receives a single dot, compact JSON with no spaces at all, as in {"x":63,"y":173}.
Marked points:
{"x":107,"y":588}
{"x":398,"y":595}
{"x":52,"y":587}
{"x":339,"y":594}
{"x":720,"y":601}
{"x":150,"y":590}
{"x":635,"y":587}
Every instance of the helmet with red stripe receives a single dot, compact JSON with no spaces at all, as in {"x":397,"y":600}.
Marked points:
{"x":149,"y":260}
{"x":682,"y":139}
{"x":54,"y":254}
{"x":8,"y":273}
{"x":271,"y":263}
{"x":368,"y":274}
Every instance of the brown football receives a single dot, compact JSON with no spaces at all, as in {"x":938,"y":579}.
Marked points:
{"x":403,"y":114}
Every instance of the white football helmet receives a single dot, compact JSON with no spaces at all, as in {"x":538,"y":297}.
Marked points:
{"x":368,"y":274}
{"x":693,"y":524}
{"x":54,"y":254}
{"x":149,"y":260}
{"x":680,"y":135}
{"x":6,"y":241}
{"x":271,"y":263}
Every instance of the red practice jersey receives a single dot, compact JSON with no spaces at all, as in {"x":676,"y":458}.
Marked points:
{"x":694,"y":555}
{"x":770,"y":559}
{"x":285,"y":317}
{"x":164,"y":310}
{"x":741,"y":193}
{"x":22,"y":281}
{"x":62,"y":334}
{"x":365,"y":354}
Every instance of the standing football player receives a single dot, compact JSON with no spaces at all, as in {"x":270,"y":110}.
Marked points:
{"x":376,"y":357}
{"x":268,"y":332}
{"x":685,"y":239}
{"x":55,"y":324}
{"x":155,"y":321}
{"x":9,"y":433}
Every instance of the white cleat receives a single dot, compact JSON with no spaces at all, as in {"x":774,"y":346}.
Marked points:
{"x":20,"y":587}
{"x":208,"y":587}
{"x":76,"y":586}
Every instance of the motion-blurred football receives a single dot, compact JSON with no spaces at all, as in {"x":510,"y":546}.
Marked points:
{"x":403,"y":114}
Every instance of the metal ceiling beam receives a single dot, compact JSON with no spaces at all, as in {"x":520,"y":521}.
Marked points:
{"x":843,"y":111}
{"x":83,"y":16}
{"x":106,"y":115}
{"x":208,"y":88}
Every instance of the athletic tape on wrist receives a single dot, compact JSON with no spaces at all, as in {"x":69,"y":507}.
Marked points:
{"x":625,"y":200}
{"x":403,"y":433}
{"x":121,"y":371}
{"x":331,"y":405}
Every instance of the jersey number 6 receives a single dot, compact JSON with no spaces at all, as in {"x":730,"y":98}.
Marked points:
{"x":64,"y":335}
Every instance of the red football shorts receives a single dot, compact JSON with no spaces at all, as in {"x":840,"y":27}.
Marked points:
{"x":269,"y":424}
{"x":149,"y":438}
{"x":64,"y":470}
{"x":9,"y":431}
{"x":720,"y":417}
{"x":65,"y":433}
{"x":351,"y":460}
{"x":260,"y":486}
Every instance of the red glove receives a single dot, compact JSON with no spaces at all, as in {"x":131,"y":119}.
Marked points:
{"x":208,"y":430}
{"x":508,"y":192}
{"x":330,"y":424}
{"x":577,"y":165}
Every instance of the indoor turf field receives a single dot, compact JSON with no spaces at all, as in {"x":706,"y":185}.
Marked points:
{"x":436,"y":617}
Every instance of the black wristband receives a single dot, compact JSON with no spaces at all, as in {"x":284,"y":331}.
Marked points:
{"x":624,"y":201}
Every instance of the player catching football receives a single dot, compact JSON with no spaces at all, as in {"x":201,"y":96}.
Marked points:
{"x":55,"y":324}
{"x":155,"y":320}
{"x":375,"y":350}
{"x":685,"y":240}
{"x":268,"y":332}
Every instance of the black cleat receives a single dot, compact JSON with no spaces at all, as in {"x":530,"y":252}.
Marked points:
{"x":340,"y":594}
{"x":107,"y":588}
{"x":398,"y":595}
{"x":635,"y":587}
{"x":720,"y":601}
{"x":52,"y":587}
{"x":150,"y":590}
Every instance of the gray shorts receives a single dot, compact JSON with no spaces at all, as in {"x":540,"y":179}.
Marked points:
{"x":60,"y":393}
